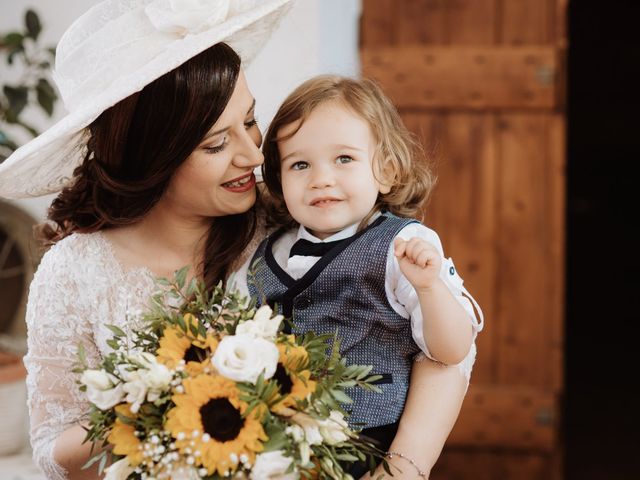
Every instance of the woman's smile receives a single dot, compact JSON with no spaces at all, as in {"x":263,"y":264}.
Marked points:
{"x":241,"y":184}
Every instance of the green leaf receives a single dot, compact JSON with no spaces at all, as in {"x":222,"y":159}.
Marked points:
{"x":13,"y":39}
{"x":18,"y":97}
{"x":32,"y":21}
{"x":46,"y":96}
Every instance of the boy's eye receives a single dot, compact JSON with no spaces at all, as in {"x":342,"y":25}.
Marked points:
{"x":344,"y":159}
{"x":301,"y":165}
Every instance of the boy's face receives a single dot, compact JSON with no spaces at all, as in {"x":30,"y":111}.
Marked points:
{"x":327,"y":169}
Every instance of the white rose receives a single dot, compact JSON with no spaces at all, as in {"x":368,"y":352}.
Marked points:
{"x":310,"y":426}
{"x":272,"y":466}
{"x":243,"y":358}
{"x":333,"y":428}
{"x":262,"y":325}
{"x":119,"y":470}
{"x":103,"y":389}
{"x":186,"y":16}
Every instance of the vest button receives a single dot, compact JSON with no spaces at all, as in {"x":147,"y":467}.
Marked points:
{"x":301,"y":303}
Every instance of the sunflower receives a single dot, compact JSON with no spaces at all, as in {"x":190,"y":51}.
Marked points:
{"x":292,"y":375}
{"x":123,"y":438}
{"x":176,"y":345}
{"x":211,"y":408}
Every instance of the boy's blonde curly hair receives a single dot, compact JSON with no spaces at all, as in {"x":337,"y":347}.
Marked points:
{"x":399,"y":156}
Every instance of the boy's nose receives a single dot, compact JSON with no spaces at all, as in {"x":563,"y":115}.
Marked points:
{"x":322,"y":178}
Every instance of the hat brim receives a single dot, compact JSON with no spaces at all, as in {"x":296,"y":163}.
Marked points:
{"x":45,"y":165}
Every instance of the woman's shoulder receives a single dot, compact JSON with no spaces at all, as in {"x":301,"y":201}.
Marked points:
{"x":79,"y":256}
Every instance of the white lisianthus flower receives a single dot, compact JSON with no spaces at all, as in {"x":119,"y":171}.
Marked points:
{"x":119,"y":470}
{"x":310,"y":426}
{"x":103,"y":389}
{"x":333,"y":428}
{"x":272,"y":466}
{"x":243,"y":358}
{"x":262,"y":325}
{"x":158,"y":377}
{"x":305,"y":453}
{"x":136,"y":389}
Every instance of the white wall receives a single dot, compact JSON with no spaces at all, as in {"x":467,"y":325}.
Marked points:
{"x":310,"y":41}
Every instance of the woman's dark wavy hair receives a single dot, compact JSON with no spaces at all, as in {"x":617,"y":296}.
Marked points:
{"x":136,"y":146}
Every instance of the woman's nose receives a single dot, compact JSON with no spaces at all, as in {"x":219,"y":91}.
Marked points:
{"x":249,"y":153}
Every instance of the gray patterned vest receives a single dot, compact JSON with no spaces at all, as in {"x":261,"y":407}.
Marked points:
{"x":345,"y":291}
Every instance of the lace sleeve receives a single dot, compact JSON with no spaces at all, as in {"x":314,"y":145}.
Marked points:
{"x":56,"y":325}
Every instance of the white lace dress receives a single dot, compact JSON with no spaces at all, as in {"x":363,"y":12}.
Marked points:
{"x":78,"y":289}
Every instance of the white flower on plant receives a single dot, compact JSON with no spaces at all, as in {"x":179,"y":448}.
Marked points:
{"x":243,"y":358}
{"x":119,"y":470}
{"x":272,"y":466}
{"x":103,"y":389}
{"x":334,"y":428}
{"x":310,"y":426}
{"x":262,"y":325}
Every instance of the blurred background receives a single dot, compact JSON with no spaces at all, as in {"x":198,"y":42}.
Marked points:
{"x":527,"y":109}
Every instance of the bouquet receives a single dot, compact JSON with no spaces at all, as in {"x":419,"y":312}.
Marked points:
{"x":210,"y":388}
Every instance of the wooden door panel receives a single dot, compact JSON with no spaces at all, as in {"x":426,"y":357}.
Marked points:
{"x":527,"y":22}
{"x":471,"y":22}
{"x":476,"y":78}
{"x":526,"y":264}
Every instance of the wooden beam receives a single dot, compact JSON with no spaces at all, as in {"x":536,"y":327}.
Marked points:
{"x":493,"y":77}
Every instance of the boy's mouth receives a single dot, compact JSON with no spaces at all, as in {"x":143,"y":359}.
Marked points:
{"x":324,"y":201}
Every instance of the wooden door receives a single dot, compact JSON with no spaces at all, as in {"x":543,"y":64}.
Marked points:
{"x":481,"y":82}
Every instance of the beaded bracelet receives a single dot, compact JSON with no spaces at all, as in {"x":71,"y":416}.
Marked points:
{"x":390,"y":455}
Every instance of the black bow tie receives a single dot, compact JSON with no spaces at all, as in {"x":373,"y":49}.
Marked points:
{"x":312,"y":249}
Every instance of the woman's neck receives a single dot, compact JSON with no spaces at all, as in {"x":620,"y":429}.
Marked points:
{"x":163,"y":241}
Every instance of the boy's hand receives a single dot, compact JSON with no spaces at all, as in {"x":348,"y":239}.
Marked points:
{"x":419,"y":261}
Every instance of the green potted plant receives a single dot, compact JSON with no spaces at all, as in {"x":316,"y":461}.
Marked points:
{"x":22,"y":51}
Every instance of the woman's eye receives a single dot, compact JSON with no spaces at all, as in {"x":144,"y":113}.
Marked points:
{"x":344,"y":159}
{"x":251,"y":123}
{"x":299,"y":166}
{"x":217,"y":148}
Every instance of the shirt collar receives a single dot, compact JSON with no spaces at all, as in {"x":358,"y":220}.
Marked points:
{"x":341,"y":235}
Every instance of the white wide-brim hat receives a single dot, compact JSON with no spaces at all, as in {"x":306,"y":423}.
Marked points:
{"x":116,"y":49}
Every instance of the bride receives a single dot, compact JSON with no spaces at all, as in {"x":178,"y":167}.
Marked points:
{"x":153,"y":166}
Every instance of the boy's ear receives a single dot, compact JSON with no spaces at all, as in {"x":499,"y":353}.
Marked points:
{"x":385,"y":176}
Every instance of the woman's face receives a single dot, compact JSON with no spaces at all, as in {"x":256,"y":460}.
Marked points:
{"x":217,"y":178}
